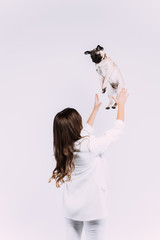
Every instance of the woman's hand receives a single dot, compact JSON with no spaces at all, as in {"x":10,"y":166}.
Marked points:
{"x":122,"y":97}
{"x":97,"y":103}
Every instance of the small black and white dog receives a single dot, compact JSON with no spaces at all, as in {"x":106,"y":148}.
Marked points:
{"x":108,"y":72}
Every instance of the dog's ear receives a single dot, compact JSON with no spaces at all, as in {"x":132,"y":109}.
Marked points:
{"x":99,"y":48}
{"x":87,"y":52}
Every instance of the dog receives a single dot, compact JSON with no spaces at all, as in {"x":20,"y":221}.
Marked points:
{"x":109,"y":73}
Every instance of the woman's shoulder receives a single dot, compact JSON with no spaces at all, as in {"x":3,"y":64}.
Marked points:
{"x":81,"y":143}
{"x":87,"y":130}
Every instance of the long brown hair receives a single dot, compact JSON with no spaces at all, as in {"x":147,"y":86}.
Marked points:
{"x":67,"y":126}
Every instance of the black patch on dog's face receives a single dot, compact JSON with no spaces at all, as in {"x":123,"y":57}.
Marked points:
{"x":95,"y":55}
{"x":96,"y":58}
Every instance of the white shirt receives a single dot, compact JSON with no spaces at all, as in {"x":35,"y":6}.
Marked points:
{"x":84,"y":197}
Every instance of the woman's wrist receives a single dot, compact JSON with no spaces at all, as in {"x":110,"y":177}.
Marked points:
{"x":120,"y":114}
{"x":92,"y":117}
{"x":96,"y":107}
{"x":121,"y":105}
{"x":95,"y":110}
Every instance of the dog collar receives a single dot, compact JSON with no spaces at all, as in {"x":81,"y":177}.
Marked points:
{"x":105,"y":56}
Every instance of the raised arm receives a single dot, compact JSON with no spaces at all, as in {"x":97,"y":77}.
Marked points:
{"x":96,"y":107}
{"x":99,"y":145}
{"x":121,"y":103}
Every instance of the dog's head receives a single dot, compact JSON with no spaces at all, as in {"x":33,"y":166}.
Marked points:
{"x":96,"y":54}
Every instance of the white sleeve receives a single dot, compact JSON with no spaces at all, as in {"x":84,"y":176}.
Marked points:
{"x":98,"y":145}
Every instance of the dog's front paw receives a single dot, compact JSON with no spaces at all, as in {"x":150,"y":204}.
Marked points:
{"x":103,"y":90}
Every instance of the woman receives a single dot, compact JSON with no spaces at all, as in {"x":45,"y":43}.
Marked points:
{"x":79,"y":166}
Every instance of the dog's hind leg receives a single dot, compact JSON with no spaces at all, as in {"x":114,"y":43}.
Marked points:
{"x":117,"y":92}
{"x":114,"y":106}
{"x":110,"y":101}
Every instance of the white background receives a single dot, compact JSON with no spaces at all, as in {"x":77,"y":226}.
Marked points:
{"x":43,"y":69}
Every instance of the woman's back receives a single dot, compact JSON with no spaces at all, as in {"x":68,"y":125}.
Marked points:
{"x":84,"y":197}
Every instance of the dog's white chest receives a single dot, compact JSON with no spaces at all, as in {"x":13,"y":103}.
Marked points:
{"x":105,"y":67}
{"x":102,"y":70}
